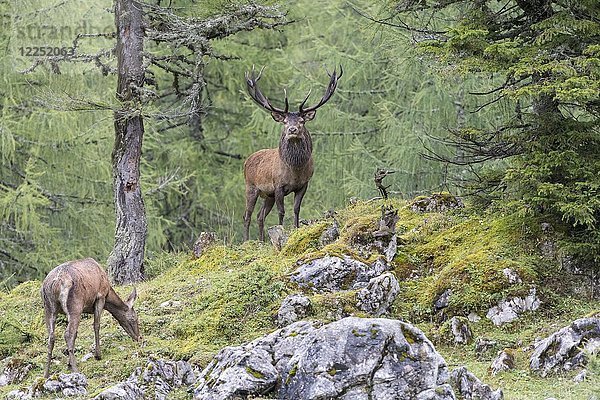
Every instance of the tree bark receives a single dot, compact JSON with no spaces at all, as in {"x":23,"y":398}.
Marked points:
{"x":126,"y":261}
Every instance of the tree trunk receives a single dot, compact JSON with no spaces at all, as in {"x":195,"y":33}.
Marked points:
{"x":125,"y":263}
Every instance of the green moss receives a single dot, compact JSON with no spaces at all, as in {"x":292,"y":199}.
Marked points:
{"x":305,"y":239}
{"x":255,"y":373}
{"x":332,"y":371}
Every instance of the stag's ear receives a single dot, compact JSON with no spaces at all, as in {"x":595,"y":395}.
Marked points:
{"x":309,"y":115}
{"x":131,"y":299}
{"x":279,"y":117}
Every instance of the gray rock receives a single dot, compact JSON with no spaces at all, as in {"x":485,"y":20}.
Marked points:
{"x":512,"y":276}
{"x":460,"y":330}
{"x":19,"y":394}
{"x":204,"y":241}
{"x":354,"y":358}
{"x":470,"y":387}
{"x":87,"y":356}
{"x":14,"y":371}
{"x":156,"y":381}
{"x":123,"y":391}
{"x":66,"y":384}
{"x":580,"y":377}
{"x":484,"y":345}
{"x":567,"y":348}
{"x":293,"y":308}
{"x":379,"y":294}
{"x":473,"y":317}
{"x":331,"y":273}
{"x":504,"y":361}
{"x":278,"y":236}
{"x":509,"y":310}
{"x":443,"y":300}
{"x":330,"y":234}
{"x":254,"y":367}
{"x":391,"y":249}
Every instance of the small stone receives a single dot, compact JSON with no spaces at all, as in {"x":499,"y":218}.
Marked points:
{"x":278,"y":236}
{"x":470,"y":387}
{"x":504,"y":361}
{"x":293,"y":308}
{"x":580,"y":377}
{"x":87,"y":356}
{"x":483,"y":345}
{"x":205,"y":240}
{"x":379,"y":294}
{"x":460,"y":330}
{"x":509,"y":310}
{"x":512,"y":276}
{"x":443,"y":300}
{"x":171,"y":304}
{"x":473,"y":317}
{"x":330,"y":234}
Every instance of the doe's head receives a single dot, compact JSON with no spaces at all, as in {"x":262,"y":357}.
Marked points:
{"x":130,"y":321}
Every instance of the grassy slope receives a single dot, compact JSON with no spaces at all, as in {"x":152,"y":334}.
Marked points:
{"x":231,"y":294}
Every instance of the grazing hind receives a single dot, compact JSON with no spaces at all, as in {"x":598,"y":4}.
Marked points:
{"x":82,"y":286}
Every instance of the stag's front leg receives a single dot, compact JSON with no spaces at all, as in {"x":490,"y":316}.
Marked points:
{"x":279,"y":196}
{"x":262,"y":214}
{"x":298,"y":196}
{"x":98,"y":307}
{"x":251,"y":197}
{"x":50,"y":318}
{"x":70,"y":336}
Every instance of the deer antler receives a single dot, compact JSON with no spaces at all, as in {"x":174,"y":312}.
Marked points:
{"x":258,"y":97}
{"x":328,"y":93}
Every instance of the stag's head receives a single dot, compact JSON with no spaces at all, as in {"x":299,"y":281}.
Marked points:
{"x":293,"y":121}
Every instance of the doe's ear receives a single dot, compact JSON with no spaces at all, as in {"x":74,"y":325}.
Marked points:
{"x":131,"y":299}
{"x":278,"y":116}
{"x":309,"y":115}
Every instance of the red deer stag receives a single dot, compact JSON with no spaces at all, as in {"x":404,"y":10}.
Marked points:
{"x":82,"y":286}
{"x":274,"y":173}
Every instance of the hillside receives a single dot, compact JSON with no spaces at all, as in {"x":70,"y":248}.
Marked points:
{"x":190,"y":308}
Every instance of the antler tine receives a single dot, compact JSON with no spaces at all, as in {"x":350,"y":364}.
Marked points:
{"x":334,"y":77}
{"x":287,"y":104}
{"x":256,"y":94}
{"x":305,"y":100}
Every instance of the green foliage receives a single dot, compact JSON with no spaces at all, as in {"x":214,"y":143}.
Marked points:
{"x":544,"y":91}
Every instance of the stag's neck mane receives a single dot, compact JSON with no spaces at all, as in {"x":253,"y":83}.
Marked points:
{"x":295,"y":153}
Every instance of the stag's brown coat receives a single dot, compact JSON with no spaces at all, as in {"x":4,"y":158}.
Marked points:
{"x":82,"y":286}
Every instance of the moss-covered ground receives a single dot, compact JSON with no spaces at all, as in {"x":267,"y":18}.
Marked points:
{"x":190,"y":308}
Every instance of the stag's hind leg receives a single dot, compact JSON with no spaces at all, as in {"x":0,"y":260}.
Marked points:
{"x":251,"y":197}
{"x":262,"y":214}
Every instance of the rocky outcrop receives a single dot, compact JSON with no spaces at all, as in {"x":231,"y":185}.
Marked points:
{"x":155,"y":381}
{"x":354,"y":358}
{"x":566,"y":349}
{"x":509,"y":310}
{"x":379,"y":294}
{"x":64,"y":385}
{"x":293,"y":308}
{"x":471,"y":388}
{"x":332,"y":273}
{"x":459,"y":331}
{"x":330,"y":234}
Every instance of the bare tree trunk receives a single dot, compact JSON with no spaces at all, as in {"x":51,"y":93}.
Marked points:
{"x":125,"y":263}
